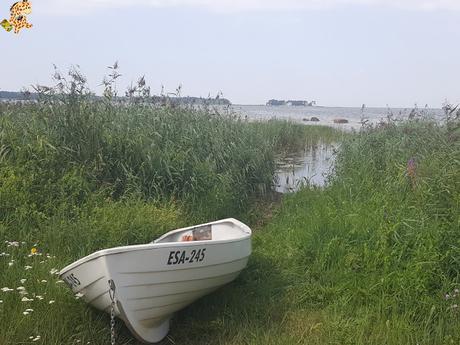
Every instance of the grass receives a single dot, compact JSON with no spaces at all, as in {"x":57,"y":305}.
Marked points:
{"x":371,"y":259}
{"x":367,"y":260}
{"x":287,"y":136}
{"x":78,"y":175}
{"x":157,"y":153}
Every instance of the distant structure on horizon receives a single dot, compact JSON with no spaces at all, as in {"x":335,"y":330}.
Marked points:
{"x":291,"y":103}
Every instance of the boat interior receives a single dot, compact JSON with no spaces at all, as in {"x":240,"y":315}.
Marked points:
{"x":217,"y":231}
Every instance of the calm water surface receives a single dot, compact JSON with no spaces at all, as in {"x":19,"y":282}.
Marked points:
{"x":311,"y":166}
{"x":326,"y":115}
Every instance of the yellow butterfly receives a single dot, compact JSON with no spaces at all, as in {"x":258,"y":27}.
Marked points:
{"x":6,"y":25}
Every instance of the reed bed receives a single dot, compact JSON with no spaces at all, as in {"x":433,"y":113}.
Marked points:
{"x":371,"y":259}
{"x":199,"y":158}
{"x":287,"y":136}
{"x":78,"y":174}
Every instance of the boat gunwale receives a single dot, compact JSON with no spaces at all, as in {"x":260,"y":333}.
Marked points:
{"x":158,"y":245}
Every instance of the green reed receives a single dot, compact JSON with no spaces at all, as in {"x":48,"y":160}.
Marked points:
{"x":373,"y":258}
{"x":288,"y":136}
{"x":78,"y":174}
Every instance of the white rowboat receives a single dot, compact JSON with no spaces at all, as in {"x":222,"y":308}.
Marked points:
{"x":152,"y":281}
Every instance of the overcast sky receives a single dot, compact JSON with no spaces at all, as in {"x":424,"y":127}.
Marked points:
{"x":338,"y":52}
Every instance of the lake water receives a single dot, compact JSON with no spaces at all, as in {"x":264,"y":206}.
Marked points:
{"x":312,"y":166}
{"x":326,"y":115}
{"x":308,"y":167}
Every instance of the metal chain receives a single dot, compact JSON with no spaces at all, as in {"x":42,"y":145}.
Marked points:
{"x":112,"y":311}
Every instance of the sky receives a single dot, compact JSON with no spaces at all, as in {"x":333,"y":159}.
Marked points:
{"x":337,"y":52}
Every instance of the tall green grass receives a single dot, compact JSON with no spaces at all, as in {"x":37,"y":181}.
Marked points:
{"x":371,"y":259}
{"x":287,"y":136}
{"x":208,"y":161}
{"x":79,"y":174}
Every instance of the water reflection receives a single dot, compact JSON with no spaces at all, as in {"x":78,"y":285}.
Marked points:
{"x":309,"y":166}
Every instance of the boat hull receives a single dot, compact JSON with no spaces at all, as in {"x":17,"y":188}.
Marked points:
{"x":155,"y":280}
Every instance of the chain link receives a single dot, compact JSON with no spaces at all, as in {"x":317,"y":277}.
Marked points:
{"x":112,"y":311}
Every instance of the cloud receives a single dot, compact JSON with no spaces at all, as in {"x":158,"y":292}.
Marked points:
{"x":71,"y":6}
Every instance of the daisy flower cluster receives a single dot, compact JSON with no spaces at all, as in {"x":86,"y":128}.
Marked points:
{"x":34,"y":272}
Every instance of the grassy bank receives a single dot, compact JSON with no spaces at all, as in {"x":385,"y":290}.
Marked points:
{"x":371,"y":259}
{"x":78,"y":175}
{"x":203,"y":159}
{"x":367,"y":260}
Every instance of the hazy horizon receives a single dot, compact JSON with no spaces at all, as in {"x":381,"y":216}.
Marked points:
{"x":338,"y":52}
